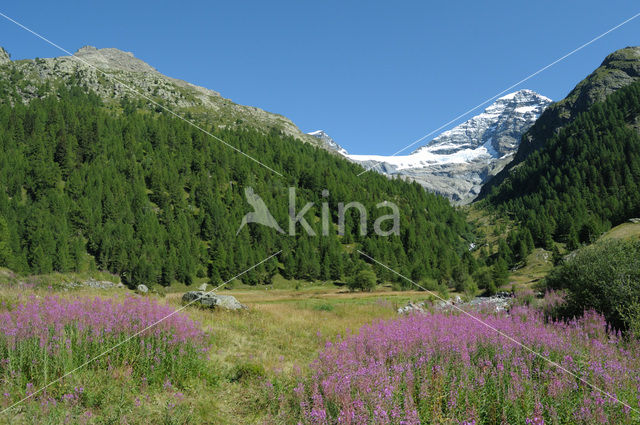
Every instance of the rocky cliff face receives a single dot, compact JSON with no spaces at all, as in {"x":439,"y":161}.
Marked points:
{"x":458,"y":162}
{"x":130,"y":71}
{"x":4,"y":57}
{"x":327,"y":142}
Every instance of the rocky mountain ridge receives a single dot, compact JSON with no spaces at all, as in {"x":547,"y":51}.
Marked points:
{"x":123,"y":68}
{"x":4,"y":57}
{"x":459,"y":161}
{"x":328,"y":142}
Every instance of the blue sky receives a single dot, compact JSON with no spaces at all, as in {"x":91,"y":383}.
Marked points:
{"x":374,"y":75}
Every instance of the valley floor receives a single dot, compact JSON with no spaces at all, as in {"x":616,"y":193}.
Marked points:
{"x":256,"y":354}
{"x":276,"y":338}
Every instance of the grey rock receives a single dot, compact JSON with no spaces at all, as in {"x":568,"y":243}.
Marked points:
{"x":203,"y":287}
{"x":92,"y":283}
{"x":495,"y":303}
{"x":142,"y":289}
{"x":327,"y":142}
{"x":499,"y":302}
{"x":213,"y":301}
{"x":4,"y":56}
{"x":412,"y":308}
{"x":113,"y":59}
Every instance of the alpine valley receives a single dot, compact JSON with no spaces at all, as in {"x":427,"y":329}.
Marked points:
{"x":126,"y":201}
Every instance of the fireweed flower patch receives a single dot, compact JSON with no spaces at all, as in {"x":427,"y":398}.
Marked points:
{"x":44,"y":337}
{"x":449,"y":369}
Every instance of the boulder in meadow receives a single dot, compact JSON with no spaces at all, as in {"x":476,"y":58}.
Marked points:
{"x":213,"y":301}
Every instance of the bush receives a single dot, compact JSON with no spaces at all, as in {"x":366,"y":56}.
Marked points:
{"x":429,"y":284}
{"x":491,"y":289}
{"x":365,"y":280}
{"x":604,"y":277}
{"x":484,"y":279}
{"x":464,"y":283}
{"x":247,"y":372}
{"x":323,"y":307}
{"x":467,"y":286}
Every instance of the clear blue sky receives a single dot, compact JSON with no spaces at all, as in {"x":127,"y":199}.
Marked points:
{"x":374,"y":75}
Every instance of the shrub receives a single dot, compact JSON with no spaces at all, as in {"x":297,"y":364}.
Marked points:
{"x":365,"y":280}
{"x":323,"y":307}
{"x":467,"y":286}
{"x":246,"y":372}
{"x":429,"y":284}
{"x":483,"y":277}
{"x":463,"y":283}
{"x":491,"y":289}
{"x":604,"y":277}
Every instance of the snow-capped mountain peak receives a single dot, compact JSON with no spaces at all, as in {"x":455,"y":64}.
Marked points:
{"x":457,"y":162}
{"x":500,"y":123}
{"x":328,"y":142}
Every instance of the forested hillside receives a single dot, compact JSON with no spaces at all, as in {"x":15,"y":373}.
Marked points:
{"x":586,"y":178}
{"x":619,"y":69}
{"x":144,"y":195}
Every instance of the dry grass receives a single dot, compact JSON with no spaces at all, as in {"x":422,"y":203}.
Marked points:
{"x":623,"y":231}
{"x":539,"y":263}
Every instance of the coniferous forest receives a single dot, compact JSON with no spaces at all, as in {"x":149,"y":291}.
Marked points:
{"x":139,"y":193}
{"x":584,"y":180}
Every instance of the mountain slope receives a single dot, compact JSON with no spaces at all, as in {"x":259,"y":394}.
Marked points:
{"x":458,"y":162}
{"x":328,"y":143}
{"x":618,"y":70}
{"x":181,"y":96}
{"x":584,"y":179}
{"x":91,"y":178}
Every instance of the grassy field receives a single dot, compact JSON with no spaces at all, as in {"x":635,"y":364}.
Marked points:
{"x":624,"y":231}
{"x":279,"y":335}
{"x":281,"y":332}
{"x":539,"y":263}
{"x":252,"y":351}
